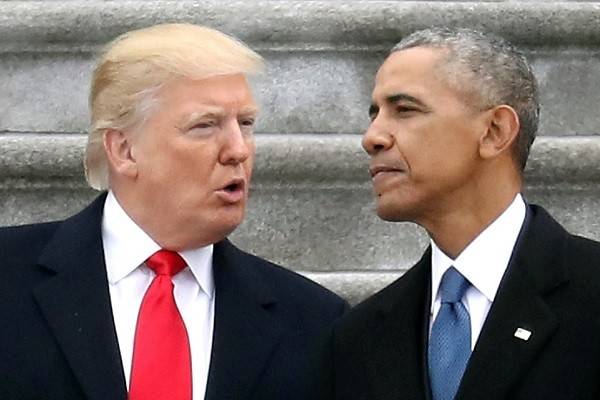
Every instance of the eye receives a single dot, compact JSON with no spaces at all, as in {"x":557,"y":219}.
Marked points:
{"x":405,"y":109}
{"x":373,"y":111}
{"x":247,"y":122}
{"x":203,"y":127}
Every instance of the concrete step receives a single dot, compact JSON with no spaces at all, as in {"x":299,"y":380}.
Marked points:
{"x":322,"y":55}
{"x":311,"y":204}
{"x":354,"y":286}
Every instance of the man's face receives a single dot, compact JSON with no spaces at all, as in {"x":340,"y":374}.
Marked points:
{"x":194,"y":158}
{"x":423,"y":139}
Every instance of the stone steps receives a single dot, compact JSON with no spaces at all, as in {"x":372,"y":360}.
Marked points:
{"x":311,"y":206}
{"x":302,"y":160}
{"x":312,"y":25}
{"x":321,"y":55}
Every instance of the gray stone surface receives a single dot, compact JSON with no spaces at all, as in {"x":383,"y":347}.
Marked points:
{"x":463,"y":1}
{"x":311,"y":161}
{"x":20,"y":205}
{"x":565,"y":162}
{"x":569,"y":87}
{"x":44,"y":92}
{"x":311,"y":205}
{"x":314,"y":24}
{"x":321,"y":55}
{"x":301,"y":92}
{"x":320,"y":229}
{"x":39,"y":159}
{"x":293,"y":160}
{"x":354,"y":286}
{"x":345,"y":247}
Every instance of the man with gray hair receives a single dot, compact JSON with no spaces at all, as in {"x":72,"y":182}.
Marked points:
{"x":504,"y":303}
{"x":141,"y":295}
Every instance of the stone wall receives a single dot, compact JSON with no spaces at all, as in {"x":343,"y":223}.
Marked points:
{"x":311,"y":207}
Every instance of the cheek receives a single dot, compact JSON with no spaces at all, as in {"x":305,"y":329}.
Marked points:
{"x":198,"y":160}
{"x":249,"y":162}
{"x":454,"y":165}
{"x":248,"y":169}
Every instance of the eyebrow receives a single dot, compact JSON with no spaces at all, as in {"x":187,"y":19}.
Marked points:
{"x":216,"y":112}
{"x":404,"y":97}
{"x":206,"y":111}
{"x":248,"y":111}
{"x":394,"y":98}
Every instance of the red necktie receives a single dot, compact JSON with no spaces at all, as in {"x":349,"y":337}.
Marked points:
{"x":161,"y":367}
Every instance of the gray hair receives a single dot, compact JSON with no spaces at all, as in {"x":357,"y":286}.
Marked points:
{"x":489,"y":71}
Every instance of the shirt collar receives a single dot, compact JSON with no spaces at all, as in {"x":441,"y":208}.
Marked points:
{"x":484,"y":261}
{"x":127,"y":246}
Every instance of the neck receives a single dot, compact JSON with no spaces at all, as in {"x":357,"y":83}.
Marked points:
{"x":158,"y":225}
{"x":453,"y":228}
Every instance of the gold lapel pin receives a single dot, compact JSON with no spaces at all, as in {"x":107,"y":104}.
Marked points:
{"x":522,"y":334}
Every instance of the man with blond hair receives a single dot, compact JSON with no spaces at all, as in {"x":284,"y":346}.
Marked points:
{"x":141,"y":295}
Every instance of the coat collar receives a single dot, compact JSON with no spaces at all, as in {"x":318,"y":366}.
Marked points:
{"x":76,"y":304}
{"x":394,"y":350}
{"x":246,"y":331}
{"x":537,"y":268}
{"x":395,"y":346}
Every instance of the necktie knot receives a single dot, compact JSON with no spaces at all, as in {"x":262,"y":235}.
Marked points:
{"x":453,"y":286}
{"x":166,"y":262}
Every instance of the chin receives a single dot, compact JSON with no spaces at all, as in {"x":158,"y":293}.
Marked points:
{"x":228,"y":222}
{"x":386,"y":215}
{"x":394,"y":212}
{"x":211,"y":234}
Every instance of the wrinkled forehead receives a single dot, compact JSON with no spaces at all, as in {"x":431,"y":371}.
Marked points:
{"x":414,"y":60}
{"x":225,"y":91}
{"x":413,"y":69}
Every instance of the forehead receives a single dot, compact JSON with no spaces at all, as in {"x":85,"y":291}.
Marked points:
{"x":230,"y":92}
{"x":413,"y":71}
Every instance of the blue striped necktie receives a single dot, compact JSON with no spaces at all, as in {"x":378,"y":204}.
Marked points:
{"x":450,"y":339}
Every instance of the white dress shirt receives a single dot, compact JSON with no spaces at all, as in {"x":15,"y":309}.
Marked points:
{"x":126,"y":247}
{"x":483,"y":263}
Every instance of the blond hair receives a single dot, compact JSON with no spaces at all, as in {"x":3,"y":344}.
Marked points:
{"x":136,"y":64}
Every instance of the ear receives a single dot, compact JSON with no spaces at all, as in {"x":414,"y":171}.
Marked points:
{"x":118,"y":148}
{"x":502,"y":131}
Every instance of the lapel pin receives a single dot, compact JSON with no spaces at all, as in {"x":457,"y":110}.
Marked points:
{"x":522,"y":334}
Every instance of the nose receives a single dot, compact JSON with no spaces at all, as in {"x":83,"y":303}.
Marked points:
{"x":377,"y":137}
{"x":237,"y":145}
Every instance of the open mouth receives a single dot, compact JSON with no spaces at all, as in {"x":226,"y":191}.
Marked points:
{"x":234,"y":191}
{"x":233,"y":187}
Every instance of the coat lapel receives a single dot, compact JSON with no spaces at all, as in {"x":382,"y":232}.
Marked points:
{"x":537,"y":267}
{"x":245,"y":331}
{"x":394,"y":349}
{"x":76,"y":304}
